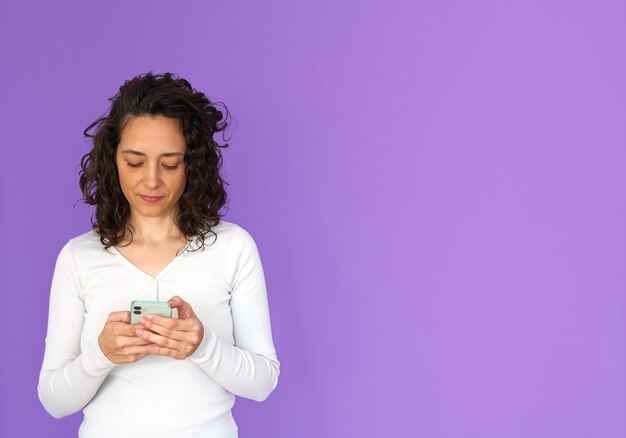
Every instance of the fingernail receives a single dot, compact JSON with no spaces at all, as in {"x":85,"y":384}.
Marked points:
{"x":142,"y":320}
{"x":139,"y":332}
{"x":150,"y":317}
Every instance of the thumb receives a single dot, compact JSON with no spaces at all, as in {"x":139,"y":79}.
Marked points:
{"x":176,"y":301}
{"x":184,"y":308}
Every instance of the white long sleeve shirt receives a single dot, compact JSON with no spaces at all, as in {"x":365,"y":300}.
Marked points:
{"x":159,"y":396}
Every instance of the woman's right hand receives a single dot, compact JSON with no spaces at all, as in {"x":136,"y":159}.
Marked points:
{"x":118,"y":340}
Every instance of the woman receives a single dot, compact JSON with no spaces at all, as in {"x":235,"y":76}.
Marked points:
{"x":153,"y":175}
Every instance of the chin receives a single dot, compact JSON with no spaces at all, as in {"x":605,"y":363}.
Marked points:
{"x":144,"y":210}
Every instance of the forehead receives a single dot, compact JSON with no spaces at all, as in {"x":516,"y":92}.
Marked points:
{"x":152,"y":135}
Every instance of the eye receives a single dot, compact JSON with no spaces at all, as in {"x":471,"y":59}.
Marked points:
{"x":134,"y":164}
{"x":171,"y":167}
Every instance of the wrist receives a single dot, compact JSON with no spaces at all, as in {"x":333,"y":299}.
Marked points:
{"x":95,"y":361}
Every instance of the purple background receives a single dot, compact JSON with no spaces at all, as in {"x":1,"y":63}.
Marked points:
{"x":436,"y":189}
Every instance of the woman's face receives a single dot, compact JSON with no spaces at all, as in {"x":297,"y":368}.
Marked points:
{"x":150,"y":165}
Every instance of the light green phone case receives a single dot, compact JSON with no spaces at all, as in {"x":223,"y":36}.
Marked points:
{"x":139,"y":308}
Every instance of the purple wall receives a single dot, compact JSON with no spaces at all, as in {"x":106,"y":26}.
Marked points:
{"x":436,"y":189}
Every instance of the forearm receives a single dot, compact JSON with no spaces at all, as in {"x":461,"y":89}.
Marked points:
{"x":245,"y":374}
{"x":67,"y":389}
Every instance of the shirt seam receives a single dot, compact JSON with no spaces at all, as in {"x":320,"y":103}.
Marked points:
{"x":230,"y":245}
{"x":80,"y":280}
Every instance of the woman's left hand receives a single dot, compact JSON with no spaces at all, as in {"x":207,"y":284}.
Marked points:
{"x":177,"y":338}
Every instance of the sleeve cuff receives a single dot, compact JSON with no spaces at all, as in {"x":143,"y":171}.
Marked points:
{"x":207,"y":346}
{"x":95,"y":361}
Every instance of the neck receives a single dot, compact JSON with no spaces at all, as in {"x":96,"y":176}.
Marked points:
{"x":153,"y":230}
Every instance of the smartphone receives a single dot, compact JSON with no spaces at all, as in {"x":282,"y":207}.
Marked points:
{"x":139,"y":308}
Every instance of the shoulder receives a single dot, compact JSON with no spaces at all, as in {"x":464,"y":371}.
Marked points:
{"x":243,"y":258}
{"x":84,"y":247}
{"x":238,"y":235}
{"x":79,"y":251}
{"x":220,"y":238}
{"x":230,"y":236}
{"x":241,"y":244}
{"x":85,"y":242}
{"x":224,"y":228}
{"x":228,"y":232}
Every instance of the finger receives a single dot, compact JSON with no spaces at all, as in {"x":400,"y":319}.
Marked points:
{"x":137,"y":349}
{"x":175,"y":301}
{"x":189,"y":337}
{"x":185,"y":310}
{"x":160,"y":340}
{"x":123,"y":341}
{"x":154,"y":328}
{"x":127,"y":329}
{"x":135,"y":354}
{"x":170,"y":323}
{"x":163,"y":332}
{"x":121,"y":316}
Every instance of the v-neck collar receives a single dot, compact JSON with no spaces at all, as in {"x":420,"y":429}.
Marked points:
{"x":162,"y":272}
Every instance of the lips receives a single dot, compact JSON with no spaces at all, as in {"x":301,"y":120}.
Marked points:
{"x":151,"y":198}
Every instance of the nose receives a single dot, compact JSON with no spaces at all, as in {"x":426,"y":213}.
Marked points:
{"x":152,"y":178}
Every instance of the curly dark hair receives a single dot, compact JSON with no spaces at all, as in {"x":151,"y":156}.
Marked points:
{"x":166,"y":95}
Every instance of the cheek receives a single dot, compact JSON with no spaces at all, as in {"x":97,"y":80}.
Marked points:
{"x":123,"y":179}
{"x":181,"y":185}
{"x":180,"y":182}
{"x":126,"y":181}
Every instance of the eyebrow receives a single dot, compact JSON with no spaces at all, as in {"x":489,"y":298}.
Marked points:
{"x":141,"y":154}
